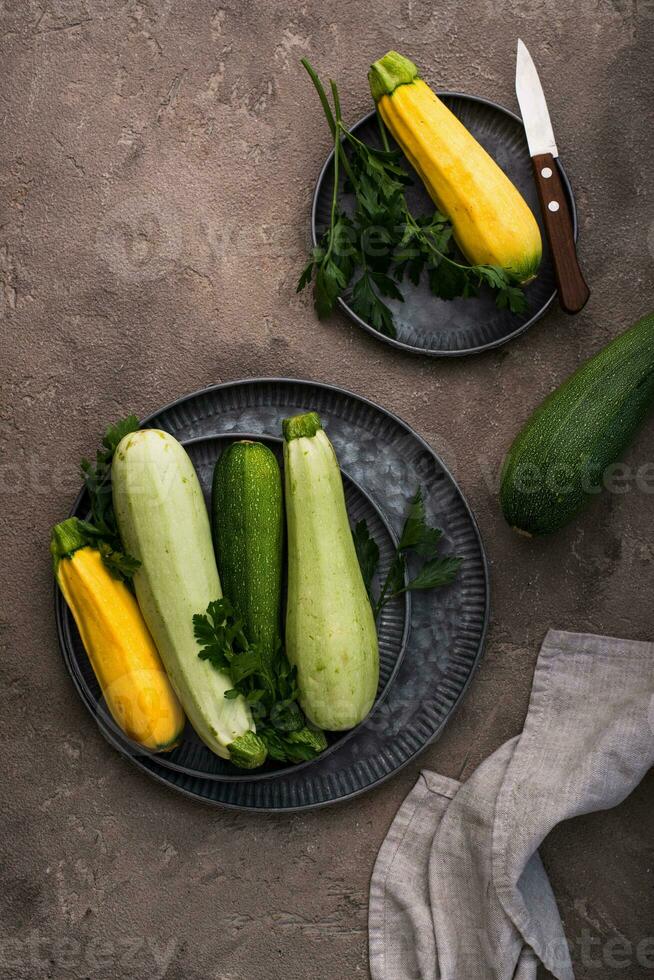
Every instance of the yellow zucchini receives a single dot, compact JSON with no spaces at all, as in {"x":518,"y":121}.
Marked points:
{"x":492,"y":223}
{"x":122,"y":653}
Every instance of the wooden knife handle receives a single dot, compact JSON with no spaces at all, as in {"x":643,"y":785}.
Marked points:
{"x":573,"y":291}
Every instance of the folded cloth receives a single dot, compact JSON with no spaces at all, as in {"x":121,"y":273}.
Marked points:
{"x":459,"y":891}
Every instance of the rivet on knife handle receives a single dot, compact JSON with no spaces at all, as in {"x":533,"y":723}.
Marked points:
{"x":573,"y":291}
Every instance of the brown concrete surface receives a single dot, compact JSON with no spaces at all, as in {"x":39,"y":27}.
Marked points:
{"x":157,"y":161}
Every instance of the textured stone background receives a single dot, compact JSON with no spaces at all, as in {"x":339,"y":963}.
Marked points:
{"x":157,"y":161}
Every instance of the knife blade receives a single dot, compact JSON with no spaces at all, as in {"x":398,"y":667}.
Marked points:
{"x":573,"y":291}
{"x":531,"y":98}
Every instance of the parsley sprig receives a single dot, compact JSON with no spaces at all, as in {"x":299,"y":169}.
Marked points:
{"x":264,"y":678}
{"x":419,"y":540}
{"x":102,"y":530}
{"x":367,"y":255}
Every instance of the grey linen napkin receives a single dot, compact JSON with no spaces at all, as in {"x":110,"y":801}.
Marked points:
{"x":459,"y":891}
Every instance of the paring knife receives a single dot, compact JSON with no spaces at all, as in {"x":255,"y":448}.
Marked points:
{"x":573,"y":291}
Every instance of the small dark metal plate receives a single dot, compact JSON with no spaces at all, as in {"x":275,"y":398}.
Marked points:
{"x":430,"y":647}
{"x":451,"y":328}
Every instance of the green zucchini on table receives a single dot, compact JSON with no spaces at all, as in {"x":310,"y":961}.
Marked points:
{"x":163,"y":522}
{"x":558,"y":461}
{"x":247,"y":521}
{"x":330,"y":627}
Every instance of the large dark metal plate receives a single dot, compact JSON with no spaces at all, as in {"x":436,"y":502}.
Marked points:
{"x":445,"y":629}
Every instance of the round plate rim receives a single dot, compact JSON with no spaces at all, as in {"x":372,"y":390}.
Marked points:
{"x":219,"y":804}
{"x":435,"y":352}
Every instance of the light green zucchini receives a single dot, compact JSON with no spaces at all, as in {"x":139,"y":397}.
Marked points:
{"x":330,"y":628}
{"x":163,"y":522}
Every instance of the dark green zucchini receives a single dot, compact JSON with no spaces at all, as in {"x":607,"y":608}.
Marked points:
{"x":247,"y":522}
{"x":559,"y":460}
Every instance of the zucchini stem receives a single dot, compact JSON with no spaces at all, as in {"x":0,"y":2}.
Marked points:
{"x":248,"y":751}
{"x":301,"y":426}
{"x":67,"y":538}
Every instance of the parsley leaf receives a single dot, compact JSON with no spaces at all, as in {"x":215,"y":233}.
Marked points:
{"x":115,"y":434}
{"x":367,"y":304}
{"x":298,"y":746}
{"x":367,"y":551}
{"x":436,"y":572}
{"x":447,"y":281}
{"x":121,"y":565}
{"x":306,"y":276}
{"x":386,"y":286}
{"x":330,"y":283}
{"x":394,"y":583}
{"x":512,"y":298}
{"x":417,"y":534}
{"x":97,"y":480}
{"x":418,"y":541}
{"x":267,"y":681}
